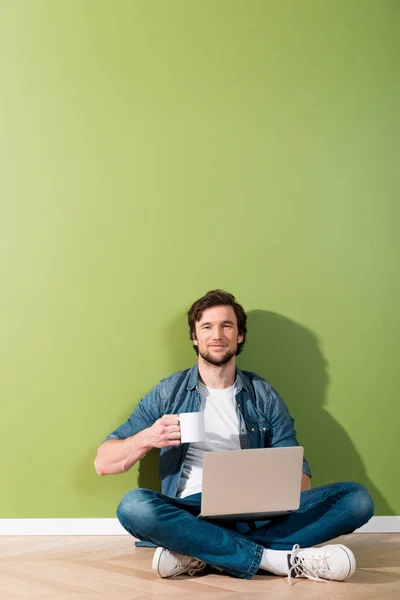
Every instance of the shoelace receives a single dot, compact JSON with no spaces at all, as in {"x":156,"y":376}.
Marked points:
{"x":299,"y":568}
{"x":196,"y":566}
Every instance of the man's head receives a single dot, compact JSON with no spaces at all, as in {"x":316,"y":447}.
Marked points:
{"x":217,"y":326}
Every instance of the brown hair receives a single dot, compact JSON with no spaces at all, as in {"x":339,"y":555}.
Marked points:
{"x":217,"y":298}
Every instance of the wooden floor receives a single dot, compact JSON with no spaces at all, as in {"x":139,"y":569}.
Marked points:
{"x":96,"y":567}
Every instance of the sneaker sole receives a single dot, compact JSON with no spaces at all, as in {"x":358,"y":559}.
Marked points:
{"x":352,"y":561}
{"x":156,"y":560}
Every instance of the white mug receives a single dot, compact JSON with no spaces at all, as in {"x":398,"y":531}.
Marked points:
{"x":192,"y":427}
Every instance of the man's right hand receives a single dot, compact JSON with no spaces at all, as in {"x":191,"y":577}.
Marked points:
{"x":118,"y":456}
{"x":163,"y":433}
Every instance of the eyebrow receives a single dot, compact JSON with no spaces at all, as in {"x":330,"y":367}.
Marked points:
{"x":223,"y":323}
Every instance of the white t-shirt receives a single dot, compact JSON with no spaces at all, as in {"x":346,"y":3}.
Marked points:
{"x":222,"y":433}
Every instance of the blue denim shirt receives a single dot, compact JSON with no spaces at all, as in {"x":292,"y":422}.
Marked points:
{"x":264,"y":419}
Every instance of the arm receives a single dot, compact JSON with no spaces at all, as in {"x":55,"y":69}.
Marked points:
{"x":118,"y":456}
{"x":146,"y":428}
{"x":282,"y":432}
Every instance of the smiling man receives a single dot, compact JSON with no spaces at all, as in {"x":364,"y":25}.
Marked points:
{"x":230,"y":399}
{"x":216,"y":336}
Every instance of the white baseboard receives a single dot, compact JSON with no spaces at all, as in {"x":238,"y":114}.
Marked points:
{"x":113,"y":527}
{"x":61,"y":527}
{"x":378,"y":525}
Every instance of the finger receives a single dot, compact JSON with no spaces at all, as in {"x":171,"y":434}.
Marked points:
{"x":171,"y":420}
{"x":173,"y":428}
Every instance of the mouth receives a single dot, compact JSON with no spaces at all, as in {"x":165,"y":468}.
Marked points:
{"x":217,"y":346}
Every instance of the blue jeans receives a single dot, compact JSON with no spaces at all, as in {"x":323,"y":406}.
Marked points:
{"x":325,"y":513}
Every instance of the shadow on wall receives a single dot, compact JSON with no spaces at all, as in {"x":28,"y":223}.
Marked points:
{"x":289,"y":356}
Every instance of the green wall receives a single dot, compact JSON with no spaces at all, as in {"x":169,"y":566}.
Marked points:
{"x":153,"y":150}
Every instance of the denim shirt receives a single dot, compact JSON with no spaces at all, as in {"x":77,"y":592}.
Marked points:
{"x":264,"y":419}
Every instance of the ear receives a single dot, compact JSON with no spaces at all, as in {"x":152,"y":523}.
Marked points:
{"x":240,"y":338}
{"x":194,"y":340}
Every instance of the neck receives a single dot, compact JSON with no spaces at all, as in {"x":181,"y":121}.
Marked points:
{"x":215,"y":377}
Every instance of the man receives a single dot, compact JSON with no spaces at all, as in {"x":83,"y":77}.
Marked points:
{"x":241,"y":410}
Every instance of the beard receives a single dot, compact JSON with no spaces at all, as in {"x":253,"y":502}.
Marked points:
{"x":219,"y":361}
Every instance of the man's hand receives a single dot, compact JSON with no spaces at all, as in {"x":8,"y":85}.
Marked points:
{"x":305,"y":482}
{"x":118,"y":456}
{"x":164,"y":432}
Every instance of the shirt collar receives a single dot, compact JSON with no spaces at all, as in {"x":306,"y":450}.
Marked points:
{"x":241,"y":379}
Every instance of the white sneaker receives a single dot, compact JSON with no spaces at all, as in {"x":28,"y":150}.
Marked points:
{"x":320,"y":564}
{"x":169,"y":564}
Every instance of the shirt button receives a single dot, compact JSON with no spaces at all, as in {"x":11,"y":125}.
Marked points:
{"x":252,"y":428}
{"x":264,"y":429}
{"x":242,"y":430}
{"x":197,"y":404}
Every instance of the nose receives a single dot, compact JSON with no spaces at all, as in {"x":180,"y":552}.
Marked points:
{"x":217,"y":333}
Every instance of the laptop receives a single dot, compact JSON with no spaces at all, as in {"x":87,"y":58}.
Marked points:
{"x":246,"y":485}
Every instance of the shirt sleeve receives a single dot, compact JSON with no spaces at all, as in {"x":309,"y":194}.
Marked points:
{"x":282,"y":431}
{"x":145,"y":414}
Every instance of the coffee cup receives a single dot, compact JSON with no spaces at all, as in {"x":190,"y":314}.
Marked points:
{"x":192,"y":427}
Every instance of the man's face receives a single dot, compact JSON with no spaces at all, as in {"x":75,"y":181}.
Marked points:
{"x":217,"y":335}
